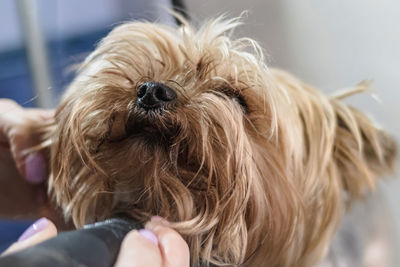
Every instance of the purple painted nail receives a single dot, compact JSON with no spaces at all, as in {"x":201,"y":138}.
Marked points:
{"x":149,"y":235}
{"x":35,"y":168}
{"x":36,"y":227}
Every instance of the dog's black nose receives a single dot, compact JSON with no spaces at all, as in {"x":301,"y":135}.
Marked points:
{"x":152,"y":95}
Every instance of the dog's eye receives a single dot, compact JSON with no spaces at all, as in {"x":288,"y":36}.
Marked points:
{"x":236,"y":96}
{"x":240,"y":99}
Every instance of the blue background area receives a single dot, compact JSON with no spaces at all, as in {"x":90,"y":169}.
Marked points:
{"x":16,"y":83}
{"x":10,"y":230}
{"x":15,"y":80}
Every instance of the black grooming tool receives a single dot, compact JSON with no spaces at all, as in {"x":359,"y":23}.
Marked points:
{"x":96,"y":245}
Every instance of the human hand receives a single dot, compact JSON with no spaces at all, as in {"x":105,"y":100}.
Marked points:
{"x":22,"y":193}
{"x":16,"y":135}
{"x":157,"y":245}
{"x":39,"y":231}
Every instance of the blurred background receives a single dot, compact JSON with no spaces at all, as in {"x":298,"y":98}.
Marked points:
{"x":329,"y":44}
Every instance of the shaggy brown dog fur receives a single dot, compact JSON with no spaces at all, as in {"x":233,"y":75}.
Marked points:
{"x":251,"y":165}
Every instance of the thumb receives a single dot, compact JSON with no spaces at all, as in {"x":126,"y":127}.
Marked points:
{"x":32,"y":166}
{"x":39,"y":231}
{"x":21,"y":137}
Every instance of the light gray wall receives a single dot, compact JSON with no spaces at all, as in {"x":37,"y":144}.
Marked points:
{"x":331,"y":44}
{"x":65,"y":18}
{"x":10,"y":34}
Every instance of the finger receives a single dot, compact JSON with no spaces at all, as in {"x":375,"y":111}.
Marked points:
{"x":39,"y":231}
{"x":35,"y":168}
{"x":174,"y":249}
{"x":42,"y":114}
{"x":31,"y":166}
{"x":21,"y":137}
{"x":139,"y":249}
{"x":7,"y":107}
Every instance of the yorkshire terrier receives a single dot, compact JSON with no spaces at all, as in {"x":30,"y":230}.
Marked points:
{"x":251,"y":165}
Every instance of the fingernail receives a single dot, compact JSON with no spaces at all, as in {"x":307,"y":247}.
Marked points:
{"x":35,"y":168}
{"x":35,"y":228}
{"x":149,"y":235}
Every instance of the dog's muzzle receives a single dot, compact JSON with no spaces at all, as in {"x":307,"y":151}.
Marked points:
{"x":154,"y":95}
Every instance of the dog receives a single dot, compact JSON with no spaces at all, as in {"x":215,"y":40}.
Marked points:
{"x":251,"y":165}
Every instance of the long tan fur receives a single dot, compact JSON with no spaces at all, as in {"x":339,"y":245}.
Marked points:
{"x":252,"y":166}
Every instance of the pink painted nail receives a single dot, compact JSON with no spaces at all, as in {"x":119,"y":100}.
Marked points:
{"x":35,"y":228}
{"x":149,"y":235}
{"x":35,"y":168}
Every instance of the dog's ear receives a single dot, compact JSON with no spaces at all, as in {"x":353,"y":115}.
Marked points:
{"x":362,"y":151}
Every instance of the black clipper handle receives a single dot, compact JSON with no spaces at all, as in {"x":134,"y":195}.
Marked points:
{"x":96,"y":245}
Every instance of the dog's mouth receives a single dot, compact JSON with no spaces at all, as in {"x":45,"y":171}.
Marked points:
{"x":142,"y":121}
{"x":154,"y":126}
{"x":155,"y":123}
{"x":150,"y":117}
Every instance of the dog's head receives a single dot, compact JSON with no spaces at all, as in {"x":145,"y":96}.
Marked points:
{"x":247,"y":163}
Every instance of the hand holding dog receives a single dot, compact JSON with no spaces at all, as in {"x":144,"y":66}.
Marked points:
{"x":156,"y":245}
{"x":15,"y":122}
{"x":22,"y":175}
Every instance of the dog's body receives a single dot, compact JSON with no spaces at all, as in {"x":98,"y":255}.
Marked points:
{"x":251,"y":165}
